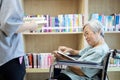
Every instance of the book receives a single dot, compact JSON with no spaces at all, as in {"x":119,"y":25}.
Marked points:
{"x":73,"y":59}
{"x":66,"y":55}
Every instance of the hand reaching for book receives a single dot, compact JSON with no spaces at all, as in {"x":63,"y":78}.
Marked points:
{"x":33,"y":25}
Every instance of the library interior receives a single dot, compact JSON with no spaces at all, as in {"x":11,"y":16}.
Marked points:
{"x":61,"y":24}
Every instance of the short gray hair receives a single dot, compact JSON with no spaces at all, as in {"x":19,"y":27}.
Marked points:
{"x":96,"y":26}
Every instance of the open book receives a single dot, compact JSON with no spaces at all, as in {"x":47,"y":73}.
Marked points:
{"x":66,"y":56}
{"x":74,"y":60}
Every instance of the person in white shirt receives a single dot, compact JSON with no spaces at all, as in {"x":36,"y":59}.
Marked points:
{"x":12,"y":66}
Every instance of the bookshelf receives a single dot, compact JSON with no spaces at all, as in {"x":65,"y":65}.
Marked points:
{"x":108,"y":7}
{"x":47,"y":42}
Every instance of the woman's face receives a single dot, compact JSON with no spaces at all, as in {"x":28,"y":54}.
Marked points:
{"x":91,"y":37}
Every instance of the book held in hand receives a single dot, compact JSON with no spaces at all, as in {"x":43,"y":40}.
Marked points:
{"x":73,"y":59}
{"x":66,"y":55}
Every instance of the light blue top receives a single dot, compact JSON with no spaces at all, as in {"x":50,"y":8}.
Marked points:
{"x":11,"y":18}
{"x":92,"y":55}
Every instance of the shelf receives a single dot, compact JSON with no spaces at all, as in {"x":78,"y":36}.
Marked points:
{"x":110,"y":69}
{"x":107,"y":32}
{"x":49,"y":33}
{"x":44,"y":33}
{"x":36,"y":70}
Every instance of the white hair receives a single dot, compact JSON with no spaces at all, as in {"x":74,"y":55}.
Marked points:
{"x":95,"y":26}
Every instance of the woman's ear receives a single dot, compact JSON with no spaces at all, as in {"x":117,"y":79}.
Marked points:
{"x":102,"y":34}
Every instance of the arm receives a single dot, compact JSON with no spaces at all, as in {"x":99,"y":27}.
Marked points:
{"x":32,"y":26}
{"x":11,"y":19}
{"x":65,"y":49}
{"x":11,"y":16}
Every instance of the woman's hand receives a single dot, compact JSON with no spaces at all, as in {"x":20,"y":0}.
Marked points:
{"x":58,"y":56}
{"x":33,"y":25}
{"x":65,"y":49}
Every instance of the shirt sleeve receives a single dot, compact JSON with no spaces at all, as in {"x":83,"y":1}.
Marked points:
{"x":11,"y":16}
{"x":93,"y":55}
{"x":81,"y":52}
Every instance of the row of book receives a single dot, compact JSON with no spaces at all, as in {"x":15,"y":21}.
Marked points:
{"x":114,"y":62}
{"x":44,"y":60}
{"x":73,"y":22}
{"x":110,"y":22}
{"x":38,"y":60}
{"x":60,"y":23}
{"x":115,"y":59}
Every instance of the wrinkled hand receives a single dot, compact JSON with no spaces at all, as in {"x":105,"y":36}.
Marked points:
{"x":65,"y":49}
{"x":58,"y":56}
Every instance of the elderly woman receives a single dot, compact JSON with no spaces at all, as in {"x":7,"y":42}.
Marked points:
{"x":95,"y":52}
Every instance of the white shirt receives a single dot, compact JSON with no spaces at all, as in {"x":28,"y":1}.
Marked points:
{"x":92,"y":55}
{"x":11,"y":18}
